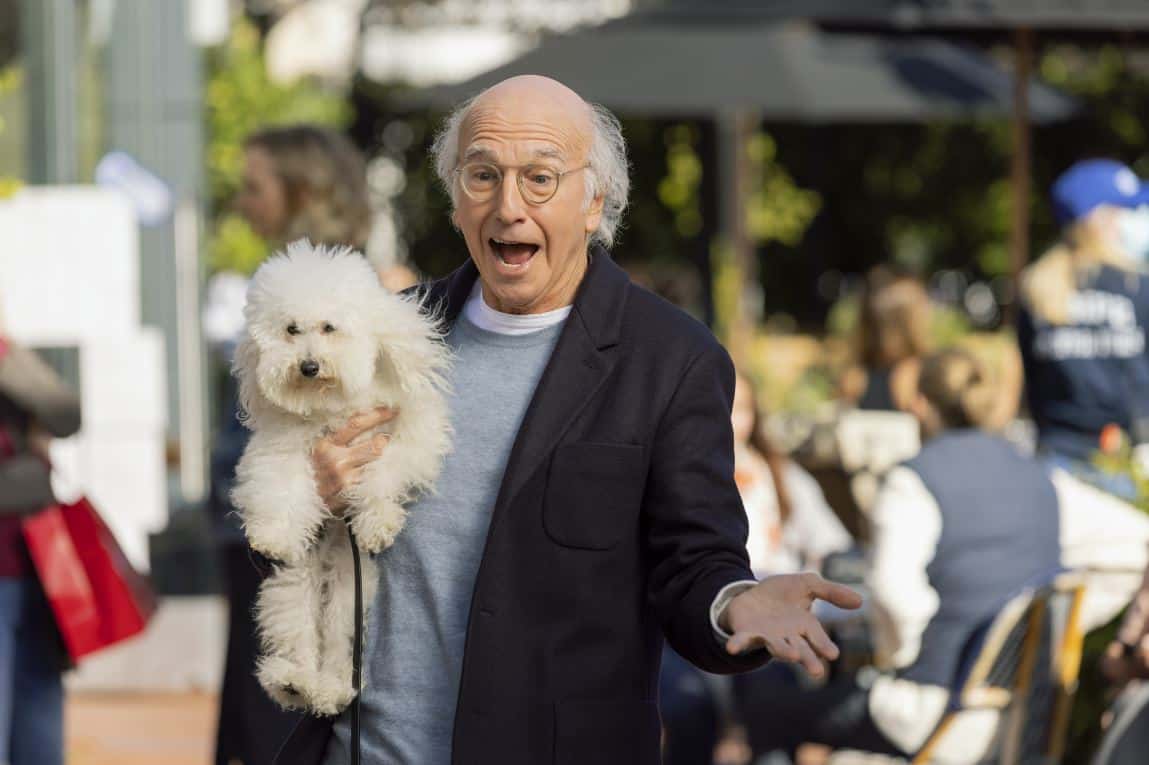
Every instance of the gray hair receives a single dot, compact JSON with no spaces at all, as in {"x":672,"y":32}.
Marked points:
{"x":606,"y":176}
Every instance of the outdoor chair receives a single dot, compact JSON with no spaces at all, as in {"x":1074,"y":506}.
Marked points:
{"x":1021,"y":680}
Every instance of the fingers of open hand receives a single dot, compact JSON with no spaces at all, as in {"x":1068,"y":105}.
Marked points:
{"x":361,"y":423}
{"x":820,"y":641}
{"x":831,"y":592}
{"x":801,"y":642}
{"x":806,"y":656}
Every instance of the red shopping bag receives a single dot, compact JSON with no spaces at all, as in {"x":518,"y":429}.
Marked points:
{"x":97,"y":597}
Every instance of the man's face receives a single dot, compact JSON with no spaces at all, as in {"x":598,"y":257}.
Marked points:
{"x":531,"y":257}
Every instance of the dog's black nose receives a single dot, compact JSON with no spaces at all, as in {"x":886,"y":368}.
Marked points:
{"x":309,"y":368}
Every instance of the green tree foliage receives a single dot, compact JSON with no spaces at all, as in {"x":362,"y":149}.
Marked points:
{"x":776,"y":210}
{"x":241,"y":99}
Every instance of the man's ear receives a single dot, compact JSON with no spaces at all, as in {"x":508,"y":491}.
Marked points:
{"x":594,"y":214}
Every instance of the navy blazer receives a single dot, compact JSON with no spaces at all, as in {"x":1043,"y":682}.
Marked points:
{"x":617,"y":523}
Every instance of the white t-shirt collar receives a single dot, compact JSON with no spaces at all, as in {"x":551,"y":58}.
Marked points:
{"x":484,"y":317}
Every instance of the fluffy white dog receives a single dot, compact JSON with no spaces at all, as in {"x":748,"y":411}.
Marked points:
{"x":325,"y":340}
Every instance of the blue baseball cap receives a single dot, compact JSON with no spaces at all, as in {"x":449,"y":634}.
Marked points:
{"x":1093,"y":183}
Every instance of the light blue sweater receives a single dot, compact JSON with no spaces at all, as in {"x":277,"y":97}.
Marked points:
{"x":414,"y":652}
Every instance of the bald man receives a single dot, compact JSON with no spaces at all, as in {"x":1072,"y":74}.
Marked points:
{"x":588,"y":507}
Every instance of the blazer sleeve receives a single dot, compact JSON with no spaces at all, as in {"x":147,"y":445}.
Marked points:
{"x":695,"y":524}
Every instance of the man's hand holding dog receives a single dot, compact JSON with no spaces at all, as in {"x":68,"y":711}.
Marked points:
{"x":339,"y":458}
{"x":775,"y":615}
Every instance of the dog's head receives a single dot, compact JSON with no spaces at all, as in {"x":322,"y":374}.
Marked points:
{"x":321,"y":331}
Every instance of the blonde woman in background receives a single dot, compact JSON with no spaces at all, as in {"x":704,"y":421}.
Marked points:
{"x":1081,"y":327}
{"x":304,"y":181}
{"x":298,"y":181}
{"x":893,"y":336}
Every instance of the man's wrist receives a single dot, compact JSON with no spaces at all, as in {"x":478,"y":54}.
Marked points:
{"x":718,"y":621}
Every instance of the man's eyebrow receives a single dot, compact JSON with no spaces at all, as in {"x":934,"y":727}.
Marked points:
{"x":479,"y":152}
{"x":484,"y":154}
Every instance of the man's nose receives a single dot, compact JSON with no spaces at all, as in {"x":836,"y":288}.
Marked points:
{"x":309,"y":368}
{"x":512,"y":208}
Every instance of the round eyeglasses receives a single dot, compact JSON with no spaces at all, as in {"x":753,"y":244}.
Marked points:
{"x":537,"y":183}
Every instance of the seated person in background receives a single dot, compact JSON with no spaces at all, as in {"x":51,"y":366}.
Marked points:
{"x":892,"y":338}
{"x":1126,"y":665}
{"x":791,"y":529}
{"x":957,"y":531}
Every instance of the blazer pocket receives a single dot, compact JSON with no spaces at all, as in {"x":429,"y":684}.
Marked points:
{"x":593,"y":494}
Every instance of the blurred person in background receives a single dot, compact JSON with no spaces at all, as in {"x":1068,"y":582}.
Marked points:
{"x":35,"y":406}
{"x":957,"y":530}
{"x":1125,"y":665}
{"x":298,"y":181}
{"x":791,"y":529}
{"x":304,"y":181}
{"x":1081,"y":327}
{"x":893,"y":336}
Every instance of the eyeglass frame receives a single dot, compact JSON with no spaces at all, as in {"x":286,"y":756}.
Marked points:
{"x":501,"y":169}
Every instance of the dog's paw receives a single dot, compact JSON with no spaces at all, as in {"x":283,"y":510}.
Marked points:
{"x":277,"y":538}
{"x":377,"y":526}
{"x":331,"y":696}
{"x":290,"y":685}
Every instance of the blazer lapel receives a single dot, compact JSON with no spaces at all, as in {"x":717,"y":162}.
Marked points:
{"x":583,"y":358}
{"x":445,"y":298}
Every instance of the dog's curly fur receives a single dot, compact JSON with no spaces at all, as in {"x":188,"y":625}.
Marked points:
{"x":325,"y":310}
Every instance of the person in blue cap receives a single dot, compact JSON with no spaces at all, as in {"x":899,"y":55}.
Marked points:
{"x":1082,"y":323}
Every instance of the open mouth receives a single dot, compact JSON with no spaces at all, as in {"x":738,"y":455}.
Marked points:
{"x":512,"y":253}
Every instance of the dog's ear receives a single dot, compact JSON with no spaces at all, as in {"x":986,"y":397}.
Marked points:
{"x":245,"y":368}
{"x":411,"y":347}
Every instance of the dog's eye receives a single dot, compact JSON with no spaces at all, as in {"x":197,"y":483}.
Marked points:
{"x":293,"y":328}
{"x":328,"y":329}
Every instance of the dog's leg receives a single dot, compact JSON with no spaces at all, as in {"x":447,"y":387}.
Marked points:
{"x":275,"y":492}
{"x":408,"y":465}
{"x":289,"y":613}
{"x":377,"y":522}
{"x":339,"y":623}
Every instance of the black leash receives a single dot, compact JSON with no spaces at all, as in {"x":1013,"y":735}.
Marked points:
{"x":357,"y":650}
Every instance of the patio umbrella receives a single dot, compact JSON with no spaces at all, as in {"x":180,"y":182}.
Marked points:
{"x":1013,"y":21}
{"x":739,"y":72}
{"x":1079,"y":18}
{"x":787,"y":71}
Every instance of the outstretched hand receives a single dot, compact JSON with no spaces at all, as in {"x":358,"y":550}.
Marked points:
{"x":775,"y":614}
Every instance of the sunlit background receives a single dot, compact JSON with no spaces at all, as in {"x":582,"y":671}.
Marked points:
{"x":810,"y":141}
